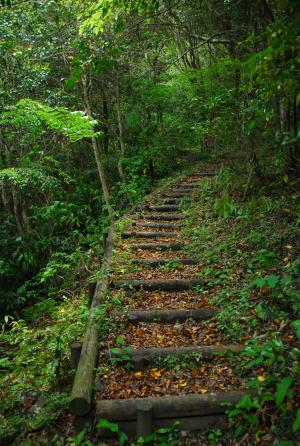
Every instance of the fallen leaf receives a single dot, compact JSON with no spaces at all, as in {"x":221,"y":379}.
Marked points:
{"x":261,"y":378}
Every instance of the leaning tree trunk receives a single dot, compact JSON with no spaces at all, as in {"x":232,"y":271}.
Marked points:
{"x":121,"y":133}
{"x":97,"y":156}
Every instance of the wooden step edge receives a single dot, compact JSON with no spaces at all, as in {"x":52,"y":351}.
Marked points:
{"x":157,"y":225}
{"x":170,"y":407}
{"x":204,"y":174}
{"x":187,"y":185}
{"x":179,"y":195}
{"x":162,"y":285}
{"x":200,"y":314}
{"x":149,"y":234}
{"x":185,"y":191}
{"x":147,"y":355}
{"x":157,"y":246}
{"x":176,"y":200}
{"x":160,"y":262}
{"x":162,"y":208}
{"x":162,"y":217}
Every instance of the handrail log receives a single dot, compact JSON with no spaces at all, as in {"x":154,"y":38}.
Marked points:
{"x":81,"y":395}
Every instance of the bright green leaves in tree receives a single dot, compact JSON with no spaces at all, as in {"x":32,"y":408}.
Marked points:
{"x":97,"y":14}
{"x":27,"y":179}
{"x":75,"y":125}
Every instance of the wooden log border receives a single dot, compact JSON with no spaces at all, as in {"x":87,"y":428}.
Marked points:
{"x":81,"y":395}
{"x":158,"y":225}
{"x":163,"y":285}
{"x":163,"y":208}
{"x":162,"y":217}
{"x":179,"y":194}
{"x":169,"y":315}
{"x":170,"y":407}
{"x":158,"y":246}
{"x":152,"y":263}
{"x":171,"y":200}
{"x":149,"y":354}
{"x":149,"y":234}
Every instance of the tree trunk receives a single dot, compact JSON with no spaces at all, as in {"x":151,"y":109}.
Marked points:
{"x":97,"y":156}
{"x":105,"y":122}
{"x":16,"y":207}
{"x":121,"y":133}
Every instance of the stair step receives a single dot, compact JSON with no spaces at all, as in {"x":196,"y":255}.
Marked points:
{"x":162,"y":208}
{"x":163,"y":285}
{"x":187,"y":191}
{"x":157,"y":246}
{"x":162,"y":217}
{"x":147,"y":355}
{"x":200,"y":175}
{"x":169,"y":315}
{"x":171,"y":201}
{"x":188,"y":185}
{"x":177,"y":194}
{"x":170,"y":407}
{"x":149,"y":234}
{"x":158,"y":225}
{"x":159,"y":262}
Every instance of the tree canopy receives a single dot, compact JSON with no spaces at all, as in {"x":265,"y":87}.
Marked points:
{"x":101,"y":99}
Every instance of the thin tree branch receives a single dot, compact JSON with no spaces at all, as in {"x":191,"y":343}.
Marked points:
{"x":205,"y":40}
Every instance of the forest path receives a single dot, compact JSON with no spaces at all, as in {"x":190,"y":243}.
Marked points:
{"x":165,"y":359}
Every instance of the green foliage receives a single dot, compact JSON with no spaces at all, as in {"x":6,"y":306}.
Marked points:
{"x":38,"y":359}
{"x":255,"y":265}
{"x":114,"y":428}
{"x":132,"y":189}
{"x":224,"y":206}
{"x":171,"y":265}
{"x":75,"y":125}
{"x":273,"y":387}
{"x":214,"y":436}
{"x":267,"y":281}
{"x":98,"y":14}
{"x":122,"y":353}
{"x":160,"y":437}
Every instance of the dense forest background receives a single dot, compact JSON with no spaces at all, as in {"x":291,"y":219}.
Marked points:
{"x":168,"y":82}
{"x":101,"y":99}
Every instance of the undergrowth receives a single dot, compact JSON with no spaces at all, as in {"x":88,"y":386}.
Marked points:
{"x":35,"y":365}
{"x":249,"y":247}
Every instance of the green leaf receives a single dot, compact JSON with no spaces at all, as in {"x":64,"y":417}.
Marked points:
{"x":105,"y":424}
{"x":164,"y":430}
{"x":251,"y":418}
{"x":296,"y":424}
{"x":5,"y":362}
{"x":122,"y":439}
{"x":282,"y":388}
{"x":148,"y":439}
{"x":70,"y":83}
{"x":296,"y":325}
{"x":116,"y":350}
{"x":267,"y":281}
